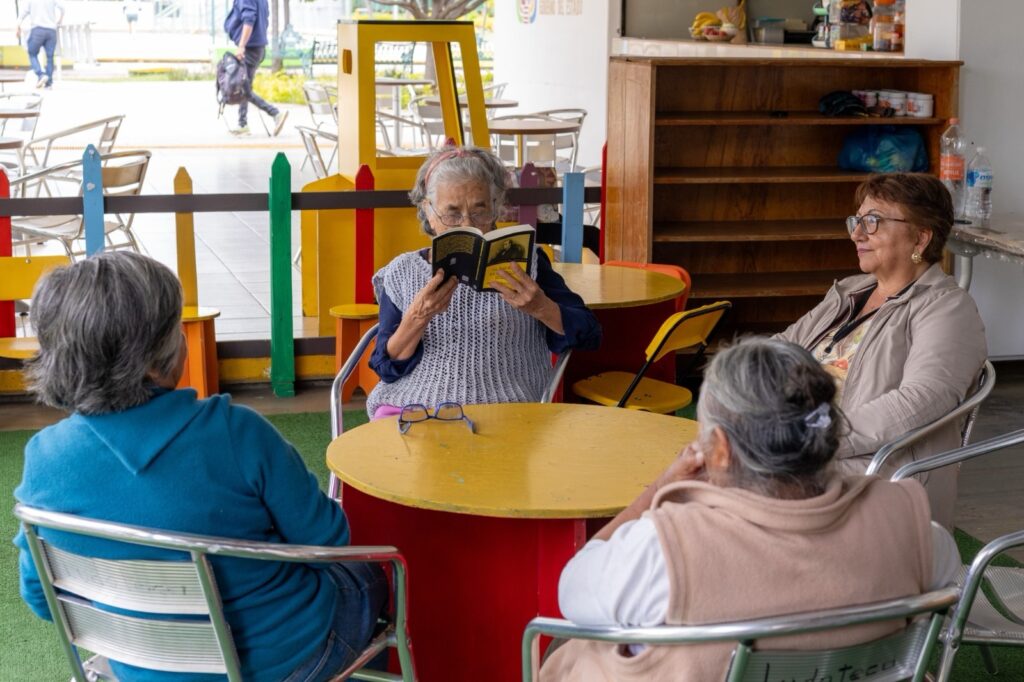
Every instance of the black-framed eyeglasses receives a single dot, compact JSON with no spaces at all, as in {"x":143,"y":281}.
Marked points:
{"x":477,"y":218}
{"x":446,"y":412}
{"x":869,"y":222}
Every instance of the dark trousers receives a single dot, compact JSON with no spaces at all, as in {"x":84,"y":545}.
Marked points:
{"x":42,"y":39}
{"x":253,"y":57}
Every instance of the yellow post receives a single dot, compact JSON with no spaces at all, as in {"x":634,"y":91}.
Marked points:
{"x":328,"y":241}
{"x":184,"y":232}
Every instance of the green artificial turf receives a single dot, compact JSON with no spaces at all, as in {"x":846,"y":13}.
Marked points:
{"x":29,"y":651}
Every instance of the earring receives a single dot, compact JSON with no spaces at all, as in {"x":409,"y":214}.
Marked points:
{"x":915,"y":258}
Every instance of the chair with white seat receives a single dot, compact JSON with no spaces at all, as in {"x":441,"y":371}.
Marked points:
{"x":991,"y":607}
{"x":540,"y":150}
{"x":312,"y":138}
{"x":178,"y":622}
{"x":17,"y":132}
{"x":41,"y":152}
{"x":898,"y":657}
{"x":567,"y":145}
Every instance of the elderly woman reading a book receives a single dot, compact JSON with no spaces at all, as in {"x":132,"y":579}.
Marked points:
{"x":442,"y":341}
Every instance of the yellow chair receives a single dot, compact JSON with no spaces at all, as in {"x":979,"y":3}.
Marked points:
{"x":18,"y":277}
{"x":687,"y":329}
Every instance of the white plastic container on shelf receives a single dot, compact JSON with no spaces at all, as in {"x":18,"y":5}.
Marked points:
{"x":895,"y":100}
{"x":920,"y":105}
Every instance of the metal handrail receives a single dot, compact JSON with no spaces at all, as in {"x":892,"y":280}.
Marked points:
{"x":761,"y":628}
{"x":959,"y":455}
{"x":988,"y":381}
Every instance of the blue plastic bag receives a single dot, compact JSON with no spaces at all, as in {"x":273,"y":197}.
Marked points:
{"x":884,"y":149}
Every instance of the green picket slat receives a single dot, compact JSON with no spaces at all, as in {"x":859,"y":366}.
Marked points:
{"x":282,"y":338}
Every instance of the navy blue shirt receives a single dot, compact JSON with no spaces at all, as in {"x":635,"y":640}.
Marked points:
{"x":581,"y":329}
{"x":253,"y":13}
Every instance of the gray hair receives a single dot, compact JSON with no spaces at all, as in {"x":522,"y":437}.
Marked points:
{"x":775,"y":404}
{"x":453,"y":163}
{"x":104,"y":324}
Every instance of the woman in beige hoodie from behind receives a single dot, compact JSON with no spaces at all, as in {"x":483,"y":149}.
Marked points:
{"x":751,"y":520}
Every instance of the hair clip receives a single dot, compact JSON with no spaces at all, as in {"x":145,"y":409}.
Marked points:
{"x":819,"y":417}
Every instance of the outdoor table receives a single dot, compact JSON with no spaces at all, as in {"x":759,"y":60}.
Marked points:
{"x":396,"y":97}
{"x":488,"y":520}
{"x":529,"y":126}
{"x":1002,"y":239}
{"x":11,"y":77}
{"x":631,"y":304}
{"x":488,"y":103}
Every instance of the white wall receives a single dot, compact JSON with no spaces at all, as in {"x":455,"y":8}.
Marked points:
{"x":991,"y":102}
{"x":558,"y":61}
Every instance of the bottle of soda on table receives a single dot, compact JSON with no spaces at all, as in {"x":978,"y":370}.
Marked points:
{"x":952,"y":164}
{"x":979,"y":188}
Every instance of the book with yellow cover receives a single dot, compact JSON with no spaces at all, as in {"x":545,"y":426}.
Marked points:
{"x":475,"y":258}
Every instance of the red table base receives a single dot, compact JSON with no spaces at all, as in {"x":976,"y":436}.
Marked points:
{"x":474,"y":581}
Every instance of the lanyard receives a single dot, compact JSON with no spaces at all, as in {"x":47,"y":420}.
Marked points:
{"x":848,"y":329}
{"x":852,"y":325}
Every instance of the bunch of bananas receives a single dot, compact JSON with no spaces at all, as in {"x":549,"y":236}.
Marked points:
{"x":700,"y":21}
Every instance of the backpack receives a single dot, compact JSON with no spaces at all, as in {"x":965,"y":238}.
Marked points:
{"x":232,"y":81}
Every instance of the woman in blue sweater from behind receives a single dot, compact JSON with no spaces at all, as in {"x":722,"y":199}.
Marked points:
{"x":135,"y":450}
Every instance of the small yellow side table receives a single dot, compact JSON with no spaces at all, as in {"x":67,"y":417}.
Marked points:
{"x":352,"y":320}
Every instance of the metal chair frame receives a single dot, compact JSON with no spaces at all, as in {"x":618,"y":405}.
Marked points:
{"x":570,"y":141}
{"x":916,"y":642}
{"x":986,"y":381}
{"x":197,"y":591}
{"x":653,"y":357}
{"x":36,"y":153}
{"x":337,"y":424}
{"x":959,"y":630}
{"x":69,"y":172}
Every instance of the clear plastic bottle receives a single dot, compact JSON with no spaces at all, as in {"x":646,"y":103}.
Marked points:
{"x":979,"y":188}
{"x":952,"y":164}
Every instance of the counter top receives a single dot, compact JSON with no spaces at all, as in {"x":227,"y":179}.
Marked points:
{"x":693,"y":49}
{"x":1003,"y":238}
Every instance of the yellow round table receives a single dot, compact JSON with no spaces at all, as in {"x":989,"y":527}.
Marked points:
{"x":487,"y":520}
{"x":603,"y":287}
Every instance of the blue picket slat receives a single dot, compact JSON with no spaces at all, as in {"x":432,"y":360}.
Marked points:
{"x":92,"y":200}
{"x":572,"y":218}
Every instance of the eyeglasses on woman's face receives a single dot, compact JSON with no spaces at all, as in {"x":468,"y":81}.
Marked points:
{"x":479,"y":218}
{"x":446,"y":412}
{"x":869,"y":221}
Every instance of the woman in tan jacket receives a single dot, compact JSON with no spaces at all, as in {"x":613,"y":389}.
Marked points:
{"x":904,"y":342}
{"x":750,"y":521}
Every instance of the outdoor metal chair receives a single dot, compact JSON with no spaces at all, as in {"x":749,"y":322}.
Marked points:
{"x":312,"y":138}
{"x":969,"y":407}
{"x":156,"y":590}
{"x":901,"y":656}
{"x":991,"y":607}
{"x":37,"y":154}
{"x":123,"y":175}
{"x":337,"y":423}
{"x":540,"y":150}
{"x":22,"y":129}
{"x":321,"y":106}
{"x":567,"y":145}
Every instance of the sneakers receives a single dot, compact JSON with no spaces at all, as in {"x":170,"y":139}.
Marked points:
{"x":241,"y":130}
{"x":279,"y":120}
{"x":41,"y":82}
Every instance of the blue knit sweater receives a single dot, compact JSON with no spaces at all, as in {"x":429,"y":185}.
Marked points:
{"x":198,"y":466}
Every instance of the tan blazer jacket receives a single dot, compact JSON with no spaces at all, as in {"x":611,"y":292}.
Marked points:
{"x":920,"y":358}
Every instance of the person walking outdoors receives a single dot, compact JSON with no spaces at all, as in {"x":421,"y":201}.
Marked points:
{"x":44,"y":17}
{"x":246,"y":25}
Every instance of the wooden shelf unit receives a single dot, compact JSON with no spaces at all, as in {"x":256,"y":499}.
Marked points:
{"x":706,"y":171}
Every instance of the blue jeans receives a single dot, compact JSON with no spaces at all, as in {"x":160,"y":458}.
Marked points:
{"x":253,"y":59}
{"x":362,"y":598}
{"x":45,"y":38}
